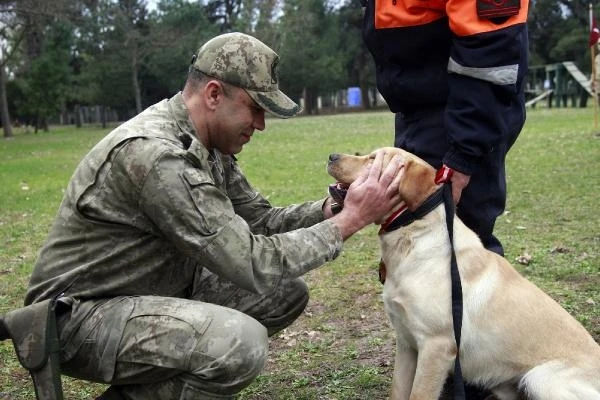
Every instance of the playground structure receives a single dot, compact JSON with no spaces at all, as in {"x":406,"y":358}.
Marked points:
{"x":557,"y":84}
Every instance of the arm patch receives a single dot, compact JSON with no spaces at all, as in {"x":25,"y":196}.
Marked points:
{"x":497,"y":9}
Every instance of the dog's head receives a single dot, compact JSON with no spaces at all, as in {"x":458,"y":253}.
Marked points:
{"x":417,"y":182}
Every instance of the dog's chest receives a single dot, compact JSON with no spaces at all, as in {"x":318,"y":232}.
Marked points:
{"x":417,"y":301}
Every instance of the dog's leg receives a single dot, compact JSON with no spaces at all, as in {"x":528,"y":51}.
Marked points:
{"x":434,"y":362}
{"x":405,"y":364}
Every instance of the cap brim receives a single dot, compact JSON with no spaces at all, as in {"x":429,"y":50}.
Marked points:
{"x":276,"y":103}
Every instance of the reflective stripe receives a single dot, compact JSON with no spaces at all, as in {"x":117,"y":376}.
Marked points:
{"x":505,"y":75}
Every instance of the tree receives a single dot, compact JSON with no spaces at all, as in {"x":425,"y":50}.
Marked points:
{"x":359,"y":65}
{"x":24,"y":26}
{"x":224,"y":13}
{"x":45,"y":82}
{"x":260,"y":18}
{"x":9,"y":43}
{"x":312,"y":62}
{"x":177,"y":30}
{"x":131,"y":30}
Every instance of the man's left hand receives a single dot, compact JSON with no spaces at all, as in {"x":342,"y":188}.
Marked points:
{"x":459,"y":182}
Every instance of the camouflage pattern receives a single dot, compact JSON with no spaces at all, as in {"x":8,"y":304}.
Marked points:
{"x":150,"y":213}
{"x":34,"y":335}
{"x":178,"y":348}
{"x":246,"y":62}
{"x":167,"y":348}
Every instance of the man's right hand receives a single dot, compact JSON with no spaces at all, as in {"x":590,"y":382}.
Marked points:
{"x":370,"y":197}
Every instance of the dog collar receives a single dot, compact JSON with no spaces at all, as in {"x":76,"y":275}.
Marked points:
{"x":403,"y":216}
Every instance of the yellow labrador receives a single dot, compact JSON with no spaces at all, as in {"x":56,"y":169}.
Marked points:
{"x":515,"y":339}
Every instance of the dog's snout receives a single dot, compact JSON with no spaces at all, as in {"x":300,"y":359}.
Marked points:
{"x":333,"y":157}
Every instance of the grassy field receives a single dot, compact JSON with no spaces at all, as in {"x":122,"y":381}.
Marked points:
{"x":342,"y":347}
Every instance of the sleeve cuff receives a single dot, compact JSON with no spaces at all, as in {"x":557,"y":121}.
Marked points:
{"x":460,"y":161}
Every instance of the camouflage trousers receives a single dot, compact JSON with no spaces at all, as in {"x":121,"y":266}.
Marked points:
{"x":207,"y":346}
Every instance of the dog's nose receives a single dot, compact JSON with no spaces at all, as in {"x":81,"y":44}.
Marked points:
{"x":333,"y":157}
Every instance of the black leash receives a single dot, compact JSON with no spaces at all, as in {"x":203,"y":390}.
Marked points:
{"x":444,"y":194}
{"x":457,"y":301}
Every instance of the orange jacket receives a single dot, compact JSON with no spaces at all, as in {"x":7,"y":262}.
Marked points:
{"x":469,"y":56}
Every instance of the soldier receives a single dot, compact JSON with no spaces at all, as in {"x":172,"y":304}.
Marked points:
{"x":174,"y":270}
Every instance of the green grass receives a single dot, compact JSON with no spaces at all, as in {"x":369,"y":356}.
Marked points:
{"x":342,"y":347}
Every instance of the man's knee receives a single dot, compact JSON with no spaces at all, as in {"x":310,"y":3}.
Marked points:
{"x":237,"y":352}
{"x":230,"y":355}
{"x":289,"y":307}
{"x":248,"y":354}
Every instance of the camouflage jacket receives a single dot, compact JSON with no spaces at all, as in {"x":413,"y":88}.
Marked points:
{"x":149,"y":204}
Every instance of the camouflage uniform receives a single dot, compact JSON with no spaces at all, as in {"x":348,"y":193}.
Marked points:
{"x":172,"y":264}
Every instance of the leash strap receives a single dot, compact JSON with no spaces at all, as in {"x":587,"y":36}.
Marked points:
{"x":457,"y":301}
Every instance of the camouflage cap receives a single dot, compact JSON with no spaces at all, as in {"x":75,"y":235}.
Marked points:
{"x":246,"y":62}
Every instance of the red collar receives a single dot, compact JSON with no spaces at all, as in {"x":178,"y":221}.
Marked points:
{"x":392,"y":218}
{"x":403,"y":216}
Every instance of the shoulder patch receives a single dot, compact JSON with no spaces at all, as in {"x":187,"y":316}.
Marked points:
{"x":196,"y":177}
{"x":493,"y":9}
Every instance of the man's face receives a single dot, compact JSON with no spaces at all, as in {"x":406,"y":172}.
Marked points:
{"x":236,"y":119}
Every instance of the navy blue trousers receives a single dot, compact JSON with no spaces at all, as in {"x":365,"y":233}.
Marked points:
{"x":484,"y":199}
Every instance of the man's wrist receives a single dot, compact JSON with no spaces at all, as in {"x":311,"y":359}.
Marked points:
{"x":347,"y":225}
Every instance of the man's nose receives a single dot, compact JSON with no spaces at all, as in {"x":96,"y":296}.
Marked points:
{"x":259,"y":121}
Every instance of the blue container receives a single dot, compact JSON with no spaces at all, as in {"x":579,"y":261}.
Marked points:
{"x":354,"y":99}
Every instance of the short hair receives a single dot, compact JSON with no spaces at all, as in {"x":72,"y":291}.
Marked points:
{"x":197,"y":78}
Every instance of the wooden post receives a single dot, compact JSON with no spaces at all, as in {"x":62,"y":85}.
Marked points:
{"x":593,"y":53}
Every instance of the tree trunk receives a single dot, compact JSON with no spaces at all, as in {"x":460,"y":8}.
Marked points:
{"x":363,"y":79}
{"x":6,"y":125}
{"x":310,"y":102}
{"x":78,"y":116}
{"x":364,"y":96}
{"x":64,"y":115}
{"x":103,"y":116}
{"x":135,"y":81}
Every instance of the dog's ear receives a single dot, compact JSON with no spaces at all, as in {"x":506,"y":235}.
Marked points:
{"x":417,"y":184}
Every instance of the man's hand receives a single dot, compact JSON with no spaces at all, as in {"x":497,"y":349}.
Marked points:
{"x":459,"y":182}
{"x":370,"y":197}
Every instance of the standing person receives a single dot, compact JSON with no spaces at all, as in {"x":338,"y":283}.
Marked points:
{"x":455,"y":78}
{"x":549,"y":84}
{"x":453,"y":72}
{"x":172,"y":269}
{"x":596,"y":74}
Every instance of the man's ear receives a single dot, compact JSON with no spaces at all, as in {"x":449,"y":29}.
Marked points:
{"x":417,"y":183}
{"x":213,"y":92}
